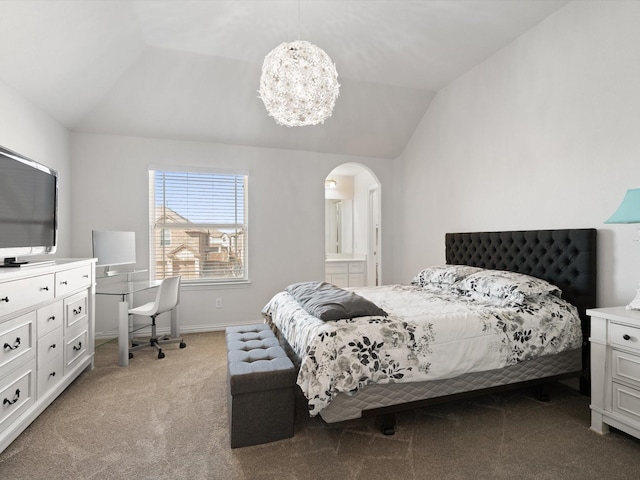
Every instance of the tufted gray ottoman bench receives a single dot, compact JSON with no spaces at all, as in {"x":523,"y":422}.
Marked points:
{"x":260,"y":387}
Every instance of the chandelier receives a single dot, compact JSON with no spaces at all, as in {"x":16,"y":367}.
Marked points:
{"x":299,"y":84}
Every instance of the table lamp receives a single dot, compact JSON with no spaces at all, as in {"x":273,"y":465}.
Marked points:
{"x":629,"y":212}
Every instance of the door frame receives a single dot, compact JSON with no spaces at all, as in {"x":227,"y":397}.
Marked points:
{"x":374,"y":250}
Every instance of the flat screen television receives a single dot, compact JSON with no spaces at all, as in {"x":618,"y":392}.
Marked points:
{"x":28,"y":208}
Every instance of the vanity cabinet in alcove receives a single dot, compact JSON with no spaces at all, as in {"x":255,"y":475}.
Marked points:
{"x":346,"y":273}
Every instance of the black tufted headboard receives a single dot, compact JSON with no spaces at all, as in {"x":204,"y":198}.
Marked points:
{"x":565,"y":258}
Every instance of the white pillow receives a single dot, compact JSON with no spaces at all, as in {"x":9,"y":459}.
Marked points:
{"x":508,"y":287}
{"x":443,"y":276}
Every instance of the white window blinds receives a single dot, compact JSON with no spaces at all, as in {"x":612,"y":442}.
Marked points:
{"x":198,"y":223}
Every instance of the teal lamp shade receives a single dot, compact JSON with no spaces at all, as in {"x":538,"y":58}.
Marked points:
{"x":629,"y":209}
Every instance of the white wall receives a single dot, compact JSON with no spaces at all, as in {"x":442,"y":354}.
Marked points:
{"x":544,"y":134}
{"x":27,"y":130}
{"x":286,"y":215}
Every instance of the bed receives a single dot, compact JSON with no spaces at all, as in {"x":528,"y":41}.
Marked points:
{"x":451,"y":333}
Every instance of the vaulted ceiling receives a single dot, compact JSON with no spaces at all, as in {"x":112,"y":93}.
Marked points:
{"x":190,"y":70}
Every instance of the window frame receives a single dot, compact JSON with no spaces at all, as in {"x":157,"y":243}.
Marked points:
{"x":167,"y":230}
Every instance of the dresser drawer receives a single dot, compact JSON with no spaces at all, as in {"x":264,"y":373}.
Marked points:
{"x":76,"y":309}
{"x":49,"y":318}
{"x":624,"y":336}
{"x":75,"y":348}
{"x":50,"y":374}
{"x":25,"y":293}
{"x":16,"y":394}
{"x":68,"y":281}
{"x":50,"y":346}
{"x":16,"y":342}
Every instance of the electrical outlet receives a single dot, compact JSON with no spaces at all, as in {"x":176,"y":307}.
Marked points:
{"x":218,"y":302}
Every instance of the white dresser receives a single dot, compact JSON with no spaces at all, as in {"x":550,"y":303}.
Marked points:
{"x":615,"y":370}
{"x":46,"y":337}
{"x":345,"y":273}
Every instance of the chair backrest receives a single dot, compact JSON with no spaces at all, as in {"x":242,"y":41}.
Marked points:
{"x":168,"y":294}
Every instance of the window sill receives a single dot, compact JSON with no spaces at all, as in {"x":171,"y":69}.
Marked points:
{"x":204,"y":285}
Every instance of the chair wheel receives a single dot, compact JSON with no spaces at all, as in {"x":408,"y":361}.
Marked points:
{"x":160,"y":354}
{"x":130,"y":355}
{"x":182,"y":344}
{"x":386,"y":430}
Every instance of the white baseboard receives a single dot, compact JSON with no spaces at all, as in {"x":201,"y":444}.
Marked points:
{"x":183,"y":329}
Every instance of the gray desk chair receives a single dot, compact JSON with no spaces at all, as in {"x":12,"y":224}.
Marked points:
{"x":167,"y":298}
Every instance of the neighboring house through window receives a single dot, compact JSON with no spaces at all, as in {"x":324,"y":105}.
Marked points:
{"x":198,"y":225}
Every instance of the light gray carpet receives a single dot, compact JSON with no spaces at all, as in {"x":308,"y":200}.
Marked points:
{"x":167,"y":419}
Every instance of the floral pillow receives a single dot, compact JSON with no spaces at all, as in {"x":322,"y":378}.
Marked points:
{"x":505,"y":287}
{"x":443,"y":276}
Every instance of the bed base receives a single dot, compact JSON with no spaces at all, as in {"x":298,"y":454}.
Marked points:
{"x":387,"y":415}
{"x":390,"y":398}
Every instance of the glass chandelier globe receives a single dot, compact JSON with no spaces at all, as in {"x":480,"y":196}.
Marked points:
{"x":299,"y":84}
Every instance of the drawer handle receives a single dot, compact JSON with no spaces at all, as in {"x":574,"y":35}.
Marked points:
{"x":16,"y":344}
{"x":52,"y":374}
{"x":77,"y":311}
{"x":5,"y":299}
{"x":85,"y":276}
{"x":626,"y":337}
{"x":6,"y":401}
{"x":78,"y":348}
{"x":64,"y":282}
{"x":46,"y":289}
{"x":51,"y":318}
{"x":53,"y":345}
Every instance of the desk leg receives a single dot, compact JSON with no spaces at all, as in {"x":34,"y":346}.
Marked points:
{"x":175,"y":322}
{"x":123,"y":334}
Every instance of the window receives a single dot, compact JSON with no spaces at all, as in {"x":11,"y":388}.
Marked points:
{"x":198,"y":225}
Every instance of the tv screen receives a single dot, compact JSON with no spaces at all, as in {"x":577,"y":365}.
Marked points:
{"x":28,"y":206}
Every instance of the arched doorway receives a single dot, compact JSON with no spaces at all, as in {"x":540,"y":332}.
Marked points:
{"x":352,"y":226}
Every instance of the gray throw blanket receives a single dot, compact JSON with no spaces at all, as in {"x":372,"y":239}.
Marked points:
{"x":328,"y":302}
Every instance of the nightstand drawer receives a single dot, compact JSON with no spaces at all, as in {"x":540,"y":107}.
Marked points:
{"x":626,"y":401}
{"x":624,"y":336}
{"x":625,"y":367}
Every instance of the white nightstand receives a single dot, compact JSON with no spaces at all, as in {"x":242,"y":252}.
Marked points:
{"x":615,"y":370}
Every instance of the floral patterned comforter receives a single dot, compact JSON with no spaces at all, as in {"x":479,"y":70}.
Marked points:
{"x":427,"y":335}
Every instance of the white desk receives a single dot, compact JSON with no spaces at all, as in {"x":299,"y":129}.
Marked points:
{"x":125,"y":291}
